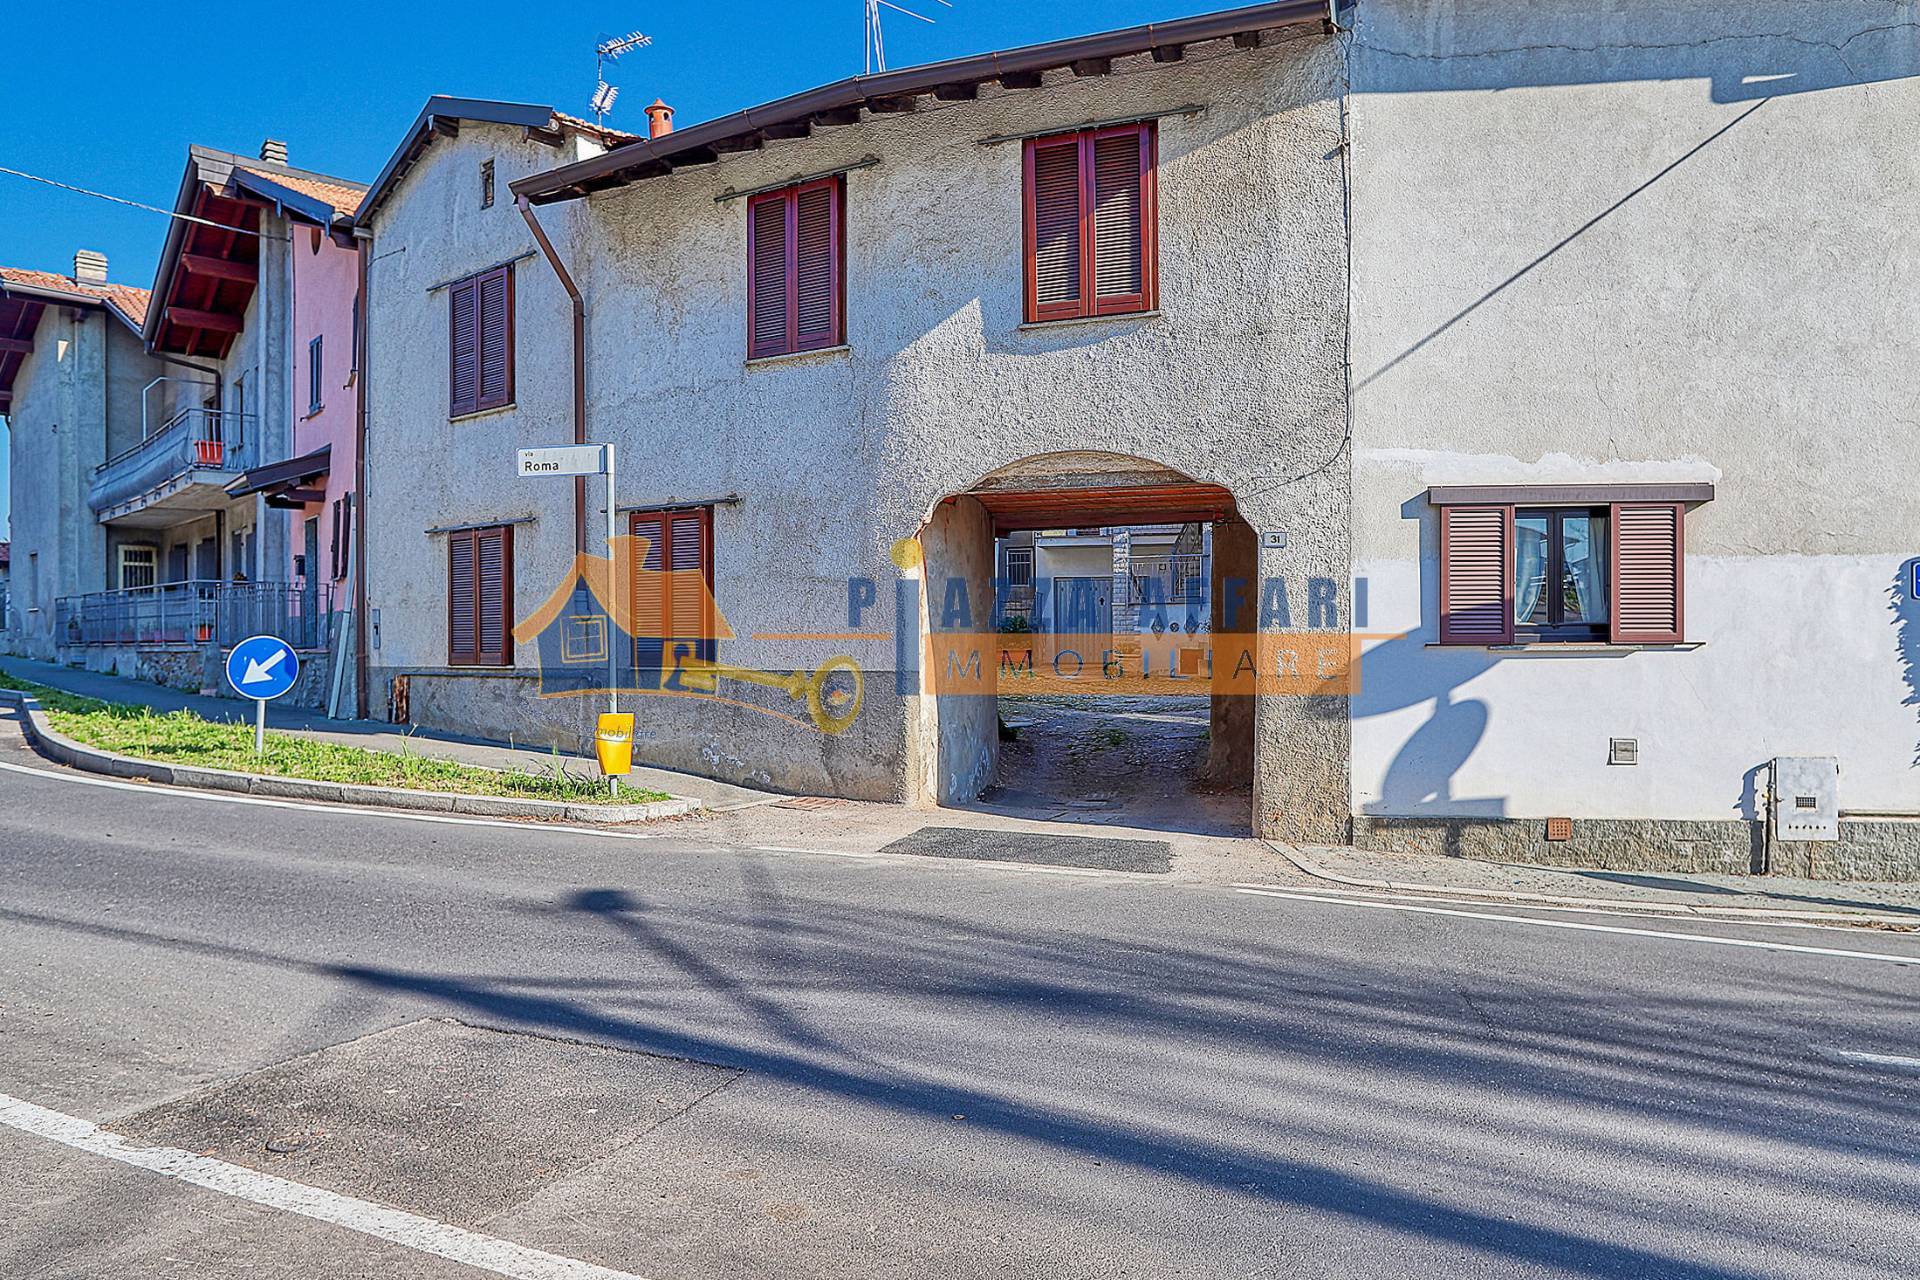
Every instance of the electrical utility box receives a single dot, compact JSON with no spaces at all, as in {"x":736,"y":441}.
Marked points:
{"x":1806,"y":798}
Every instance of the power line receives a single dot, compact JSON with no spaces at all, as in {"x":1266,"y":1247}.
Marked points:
{"x":101,"y":195}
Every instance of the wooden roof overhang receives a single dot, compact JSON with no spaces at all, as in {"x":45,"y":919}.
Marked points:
{"x":1118,"y":504}
{"x":212,"y":279}
{"x":19,"y":317}
{"x":287,"y":483}
{"x":847,"y":102}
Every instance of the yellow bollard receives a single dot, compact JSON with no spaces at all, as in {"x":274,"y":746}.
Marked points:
{"x":613,"y":743}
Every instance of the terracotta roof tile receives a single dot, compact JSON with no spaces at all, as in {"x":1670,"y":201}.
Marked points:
{"x":341,"y":197}
{"x":124,"y":298}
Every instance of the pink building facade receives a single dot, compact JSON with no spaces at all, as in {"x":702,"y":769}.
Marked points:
{"x":324,"y":373}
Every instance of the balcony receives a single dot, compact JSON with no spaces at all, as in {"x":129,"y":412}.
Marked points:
{"x":195,"y":613}
{"x":178,"y":473}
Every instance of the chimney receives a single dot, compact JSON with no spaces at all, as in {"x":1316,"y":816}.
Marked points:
{"x":659,"y":119}
{"x":274,"y":150}
{"x":89,"y":266}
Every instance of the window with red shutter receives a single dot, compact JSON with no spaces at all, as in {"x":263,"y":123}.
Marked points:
{"x":796,"y":269}
{"x":673,"y":586}
{"x":1562,"y":573}
{"x":480,"y":342}
{"x":480,"y":597}
{"x":1476,"y":575}
{"x":1091,"y":245}
{"x":1648,"y":558}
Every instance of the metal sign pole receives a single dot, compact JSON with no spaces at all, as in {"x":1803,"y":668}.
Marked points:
{"x":613,"y":590}
{"x":259,"y":726}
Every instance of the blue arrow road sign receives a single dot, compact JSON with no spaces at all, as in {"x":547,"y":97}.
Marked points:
{"x":262,"y":667}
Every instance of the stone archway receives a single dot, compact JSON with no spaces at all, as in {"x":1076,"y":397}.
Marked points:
{"x":956,"y":738}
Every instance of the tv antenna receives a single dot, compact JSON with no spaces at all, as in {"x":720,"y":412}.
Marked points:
{"x":876,"y":50}
{"x":610,"y":50}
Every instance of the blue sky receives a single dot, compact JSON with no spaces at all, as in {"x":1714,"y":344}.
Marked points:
{"x":109,"y":95}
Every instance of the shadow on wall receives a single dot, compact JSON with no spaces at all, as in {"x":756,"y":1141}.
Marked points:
{"x":1843,"y":42}
{"x":1402,"y":673}
{"x":1906,"y":633}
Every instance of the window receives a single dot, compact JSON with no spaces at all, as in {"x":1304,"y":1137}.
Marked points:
{"x":1020,"y":566}
{"x":139,"y":566}
{"x":315,"y":389}
{"x":673,"y":587}
{"x":486,"y":184}
{"x":480,"y":597}
{"x":342,"y":535}
{"x":1537,"y":574}
{"x":480,"y":342}
{"x":1090,"y":211}
{"x":1560,"y":574}
{"x":796,"y":269}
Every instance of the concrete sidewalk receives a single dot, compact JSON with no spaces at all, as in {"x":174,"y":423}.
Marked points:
{"x":1709,"y":894}
{"x":374,"y":735}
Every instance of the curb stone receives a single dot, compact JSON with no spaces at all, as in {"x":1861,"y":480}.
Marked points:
{"x":1306,"y":866}
{"x":65,"y":750}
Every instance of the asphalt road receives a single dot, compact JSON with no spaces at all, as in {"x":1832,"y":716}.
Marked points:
{"x":907,"y":1067}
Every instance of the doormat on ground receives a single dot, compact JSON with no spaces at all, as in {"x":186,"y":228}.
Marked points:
{"x":1091,"y":852}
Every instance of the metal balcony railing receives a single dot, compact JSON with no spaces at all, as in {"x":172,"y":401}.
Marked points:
{"x":192,"y":440}
{"x":196,"y":612}
{"x":1181,"y":577}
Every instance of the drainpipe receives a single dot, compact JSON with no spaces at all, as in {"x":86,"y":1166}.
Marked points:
{"x":361,"y":640}
{"x":579,"y":366}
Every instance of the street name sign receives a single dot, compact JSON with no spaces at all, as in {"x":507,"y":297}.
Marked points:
{"x":567,"y":460}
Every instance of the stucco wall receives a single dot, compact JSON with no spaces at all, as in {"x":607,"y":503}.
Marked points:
{"x":835,"y":456}
{"x":1641,"y":242}
{"x":426,"y":473}
{"x":55,"y":434}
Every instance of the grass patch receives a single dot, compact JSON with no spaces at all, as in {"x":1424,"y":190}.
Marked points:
{"x":180,"y":737}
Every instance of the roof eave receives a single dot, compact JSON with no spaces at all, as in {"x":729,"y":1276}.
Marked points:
{"x":440,"y":107}
{"x":610,"y":168}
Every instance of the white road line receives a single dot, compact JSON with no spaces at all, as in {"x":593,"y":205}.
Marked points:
{"x":151,"y":789}
{"x":1707,"y":939}
{"x":1651,"y":911}
{"x":1882,"y":1061}
{"x":408,"y":1230}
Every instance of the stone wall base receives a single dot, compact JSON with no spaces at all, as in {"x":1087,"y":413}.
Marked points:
{"x":1868,"y":848}
{"x":751,"y":735}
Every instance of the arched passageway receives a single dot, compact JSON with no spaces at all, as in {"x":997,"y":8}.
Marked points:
{"x":1070,"y":602}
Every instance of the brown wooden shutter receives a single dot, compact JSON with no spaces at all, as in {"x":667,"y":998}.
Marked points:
{"x":1055,"y":217}
{"x":462,"y":625}
{"x":688,"y":565}
{"x":1122,"y":161}
{"x":1090,"y":223}
{"x":346,"y":535}
{"x":1476,"y":575}
{"x":493,"y":603}
{"x":649,"y":584}
{"x":463,"y":353}
{"x":673,"y":584}
{"x":1647,"y":578}
{"x":767,"y":293}
{"x":480,"y":597}
{"x":496,"y":338}
{"x":816,"y":266}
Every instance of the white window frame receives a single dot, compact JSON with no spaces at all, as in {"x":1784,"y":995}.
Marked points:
{"x":125,"y":562}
